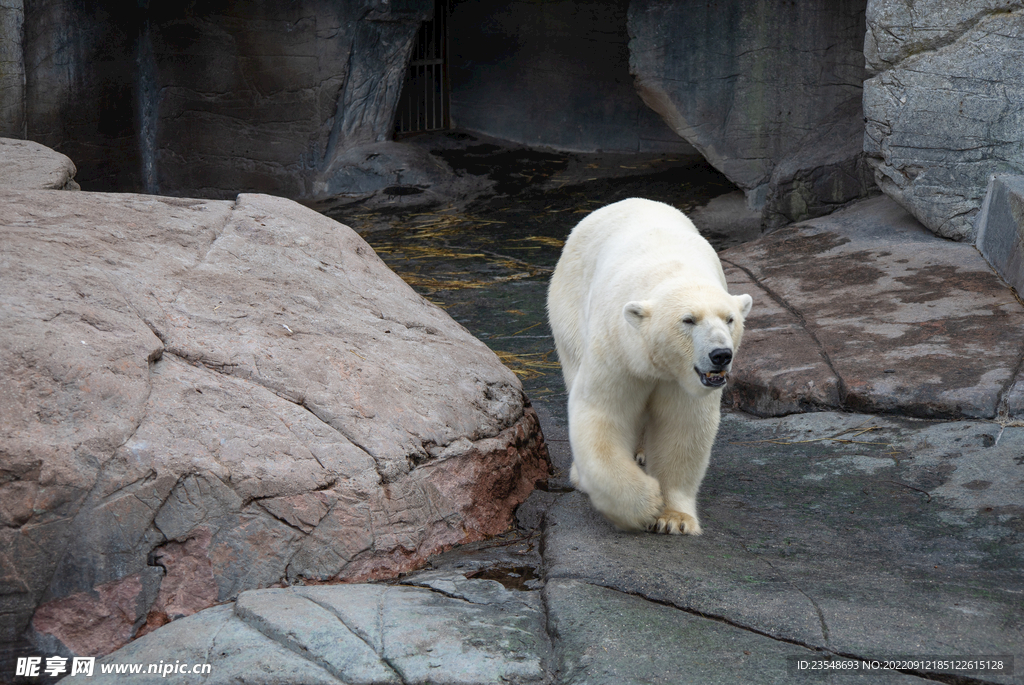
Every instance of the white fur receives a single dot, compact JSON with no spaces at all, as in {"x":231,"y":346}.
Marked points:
{"x":631,"y":277}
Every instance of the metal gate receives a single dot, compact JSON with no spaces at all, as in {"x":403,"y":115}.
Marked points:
{"x":424,"y":102}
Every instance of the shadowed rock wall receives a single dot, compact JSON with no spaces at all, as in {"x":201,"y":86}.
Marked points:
{"x":747,"y":82}
{"x":554,"y":74}
{"x":203,"y":98}
{"x":79,"y":62}
{"x":258,"y":95}
{"x":12,"y":69}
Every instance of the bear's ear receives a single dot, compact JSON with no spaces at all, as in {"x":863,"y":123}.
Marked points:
{"x":745,"y":302}
{"x":636,"y":312}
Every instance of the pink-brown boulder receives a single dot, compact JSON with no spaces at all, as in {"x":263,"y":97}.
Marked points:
{"x":199,"y":398}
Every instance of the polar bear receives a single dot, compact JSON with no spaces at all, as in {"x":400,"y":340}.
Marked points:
{"x":646,"y":332}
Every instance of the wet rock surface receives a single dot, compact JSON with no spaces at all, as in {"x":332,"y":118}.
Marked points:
{"x":866,"y":311}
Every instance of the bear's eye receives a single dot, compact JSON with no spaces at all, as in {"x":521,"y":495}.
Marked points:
{"x":729,"y":320}
{"x":689,"y":320}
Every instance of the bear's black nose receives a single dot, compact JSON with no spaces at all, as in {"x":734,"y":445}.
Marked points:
{"x":721,"y":356}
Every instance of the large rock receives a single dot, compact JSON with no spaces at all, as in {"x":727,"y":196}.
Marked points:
{"x":947,"y":109}
{"x":899,"y":29}
{"x":198,"y":398}
{"x":714,"y":72}
{"x":25,"y":165}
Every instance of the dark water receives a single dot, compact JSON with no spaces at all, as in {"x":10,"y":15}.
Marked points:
{"x":487,"y":261}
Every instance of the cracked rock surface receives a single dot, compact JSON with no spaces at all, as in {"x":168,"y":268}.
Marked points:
{"x":199,"y":398}
{"x":831,"y":535}
{"x":944,"y":111}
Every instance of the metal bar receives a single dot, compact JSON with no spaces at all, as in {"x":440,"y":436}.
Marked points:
{"x":424,"y":104}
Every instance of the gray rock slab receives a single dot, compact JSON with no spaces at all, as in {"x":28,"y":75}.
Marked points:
{"x":865,"y":310}
{"x":607,"y":637}
{"x":897,"y":29}
{"x":944,"y":118}
{"x":392,"y":175}
{"x":26,"y":165}
{"x":307,"y":628}
{"x":360,"y":634}
{"x":234,"y":651}
{"x":1015,"y":398}
{"x":1001,"y":228}
{"x":852,"y":534}
{"x":433,"y":636}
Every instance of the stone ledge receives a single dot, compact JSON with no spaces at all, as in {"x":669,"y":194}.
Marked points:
{"x":864,"y":310}
{"x":1000,"y":228}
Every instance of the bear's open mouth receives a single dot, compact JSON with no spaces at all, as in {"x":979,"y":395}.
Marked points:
{"x":712,"y":379}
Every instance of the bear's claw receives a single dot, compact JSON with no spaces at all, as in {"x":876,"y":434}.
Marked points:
{"x":676,"y":523}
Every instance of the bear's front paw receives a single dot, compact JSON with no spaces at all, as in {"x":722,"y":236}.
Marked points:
{"x":675,"y":523}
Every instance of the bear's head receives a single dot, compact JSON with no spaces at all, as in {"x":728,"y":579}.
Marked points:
{"x":690,"y":333}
